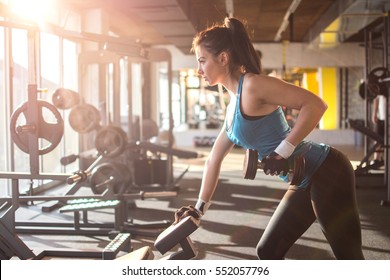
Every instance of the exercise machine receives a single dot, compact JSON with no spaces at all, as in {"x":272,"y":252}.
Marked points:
{"x":377,"y":82}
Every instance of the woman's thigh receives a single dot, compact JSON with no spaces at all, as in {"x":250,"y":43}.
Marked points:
{"x":293,"y":216}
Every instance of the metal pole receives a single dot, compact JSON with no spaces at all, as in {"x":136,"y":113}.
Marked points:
{"x":32,"y":117}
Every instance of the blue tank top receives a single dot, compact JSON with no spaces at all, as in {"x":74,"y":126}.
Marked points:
{"x":264,"y":134}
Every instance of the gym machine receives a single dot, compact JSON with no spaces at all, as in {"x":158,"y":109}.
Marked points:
{"x":139,"y":162}
{"x":108,"y":192}
{"x":377,"y":82}
{"x":107,"y":172}
{"x":175,"y":235}
{"x":146,"y":165}
{"x":28,"y":137}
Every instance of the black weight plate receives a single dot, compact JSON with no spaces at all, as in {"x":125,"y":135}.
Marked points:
{"x":110,"y":141}
{"x":65,"y":98}
{"x":84,"y":118}
{"x":101,"y":173}
{"x":375,"y":85}
{"x":49,"y":127}
{"x":250,"y":164}
{"x":298,"y":170}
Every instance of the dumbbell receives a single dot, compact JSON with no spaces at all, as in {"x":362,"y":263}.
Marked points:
{"x":251,"y":164}
{"x":173,"y":235}
{"x":178,"y":234}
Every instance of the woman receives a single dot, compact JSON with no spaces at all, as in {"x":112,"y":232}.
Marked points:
{"x":255,"y":120}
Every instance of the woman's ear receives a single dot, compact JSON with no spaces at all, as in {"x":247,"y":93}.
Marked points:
{"x":224,"y":58}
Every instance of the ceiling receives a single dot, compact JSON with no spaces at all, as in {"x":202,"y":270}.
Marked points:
{"x":156,"y":22}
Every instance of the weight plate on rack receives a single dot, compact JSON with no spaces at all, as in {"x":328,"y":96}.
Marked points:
{"x":84,"y":118}
{"x":49,"y":127}
{"x":110,"y":141}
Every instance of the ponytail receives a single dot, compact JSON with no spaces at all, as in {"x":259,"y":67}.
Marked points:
{"x":243,"y":51}
{"x":232,"y":37}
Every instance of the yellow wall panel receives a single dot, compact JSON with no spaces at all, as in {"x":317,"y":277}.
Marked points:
{"x":328,"y":92}
{"x":311,"y":82}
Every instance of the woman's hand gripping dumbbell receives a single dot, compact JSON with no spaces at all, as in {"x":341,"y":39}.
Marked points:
{"x":273,"y":165}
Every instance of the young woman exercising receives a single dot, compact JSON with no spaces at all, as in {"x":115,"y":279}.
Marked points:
{"x":255,"y":120}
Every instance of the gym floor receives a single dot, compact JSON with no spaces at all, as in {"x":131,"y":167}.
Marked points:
{"x":236,"y":220}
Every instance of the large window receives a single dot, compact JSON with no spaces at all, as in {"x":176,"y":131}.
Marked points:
{"x":69,"y":78}
{"x":53,"y":66}
{"x":58,"y":70}
{"x":20,"y":80}
{"x":3,"y":106}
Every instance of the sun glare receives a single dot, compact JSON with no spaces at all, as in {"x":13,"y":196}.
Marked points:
{"x":35,"y":10}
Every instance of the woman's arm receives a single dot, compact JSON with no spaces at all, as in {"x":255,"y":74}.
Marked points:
{"x":222,"y":146}
{"x":264,"y":93}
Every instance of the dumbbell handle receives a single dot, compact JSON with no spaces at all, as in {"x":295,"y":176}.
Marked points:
{"x":68,"y":159}
{"x":251,"y":164}
{"x":260,"y":165}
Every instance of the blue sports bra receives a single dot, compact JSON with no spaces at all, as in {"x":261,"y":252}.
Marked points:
{"x":265,"y":133}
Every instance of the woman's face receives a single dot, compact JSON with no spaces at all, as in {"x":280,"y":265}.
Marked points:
{"x":209,"y":67}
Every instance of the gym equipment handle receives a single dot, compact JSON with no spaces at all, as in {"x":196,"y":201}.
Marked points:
{"x":68,"y":159}
{"x":78,"y":177}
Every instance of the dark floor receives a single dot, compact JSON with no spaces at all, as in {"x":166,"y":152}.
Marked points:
{"x":236,"y":220}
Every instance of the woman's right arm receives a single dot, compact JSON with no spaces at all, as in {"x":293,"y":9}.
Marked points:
{"x":222,"y":146}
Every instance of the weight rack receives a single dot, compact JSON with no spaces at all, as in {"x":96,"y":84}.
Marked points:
{"x":387,"y":122}
{"x":378,"y":37}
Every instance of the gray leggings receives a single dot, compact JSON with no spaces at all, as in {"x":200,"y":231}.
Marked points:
{"x":331,"y":200}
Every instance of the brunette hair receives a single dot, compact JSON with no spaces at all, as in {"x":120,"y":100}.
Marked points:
{"x":232,"y":37}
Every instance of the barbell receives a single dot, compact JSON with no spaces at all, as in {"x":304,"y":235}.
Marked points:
{"x":251,"y":164}
{"x":119,"y":172}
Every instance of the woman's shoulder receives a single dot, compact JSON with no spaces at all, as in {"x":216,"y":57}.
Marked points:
{"x":256,"y":79}
{"x":255,"y":82}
